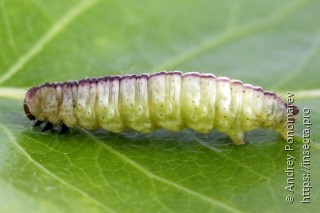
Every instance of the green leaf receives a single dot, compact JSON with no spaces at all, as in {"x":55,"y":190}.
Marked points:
{"x":273,"y":44}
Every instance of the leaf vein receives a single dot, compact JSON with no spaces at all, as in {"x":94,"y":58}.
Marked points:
{"x":48,"y":172}
{"x":151,"y":175}
{"x":232,"y":34}
{"x":231,"y":159}
{"x":58,"y":27}
{"x":311,"y":53}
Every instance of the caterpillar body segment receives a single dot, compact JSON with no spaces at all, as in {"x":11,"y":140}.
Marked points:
{"x":169,"y":100}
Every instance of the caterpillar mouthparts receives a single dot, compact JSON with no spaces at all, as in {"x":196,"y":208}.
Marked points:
{"x":169,"y":100}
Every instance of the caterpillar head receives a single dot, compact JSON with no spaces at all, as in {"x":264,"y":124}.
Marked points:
{"x":27,"y":111}
{"x":30,"y":104}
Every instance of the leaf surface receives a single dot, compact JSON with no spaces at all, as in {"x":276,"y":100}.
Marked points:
{"x":273,"y":44}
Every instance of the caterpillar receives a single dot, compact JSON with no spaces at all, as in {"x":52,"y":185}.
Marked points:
{"x":169,"y":100}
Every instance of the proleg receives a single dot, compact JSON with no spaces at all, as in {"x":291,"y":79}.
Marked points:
{"x":169,"y":100}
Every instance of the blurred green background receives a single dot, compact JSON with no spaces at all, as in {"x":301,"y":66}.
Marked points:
{"x":273,"y":44}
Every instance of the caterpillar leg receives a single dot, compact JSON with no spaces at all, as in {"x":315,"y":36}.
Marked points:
{"x":37,"y":123}
{"x":64,"y":129}
{"x":47,"y":127}
{"x":237,"y":137}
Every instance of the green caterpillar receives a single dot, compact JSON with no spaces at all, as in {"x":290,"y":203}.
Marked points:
{"x":169,"y":100}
